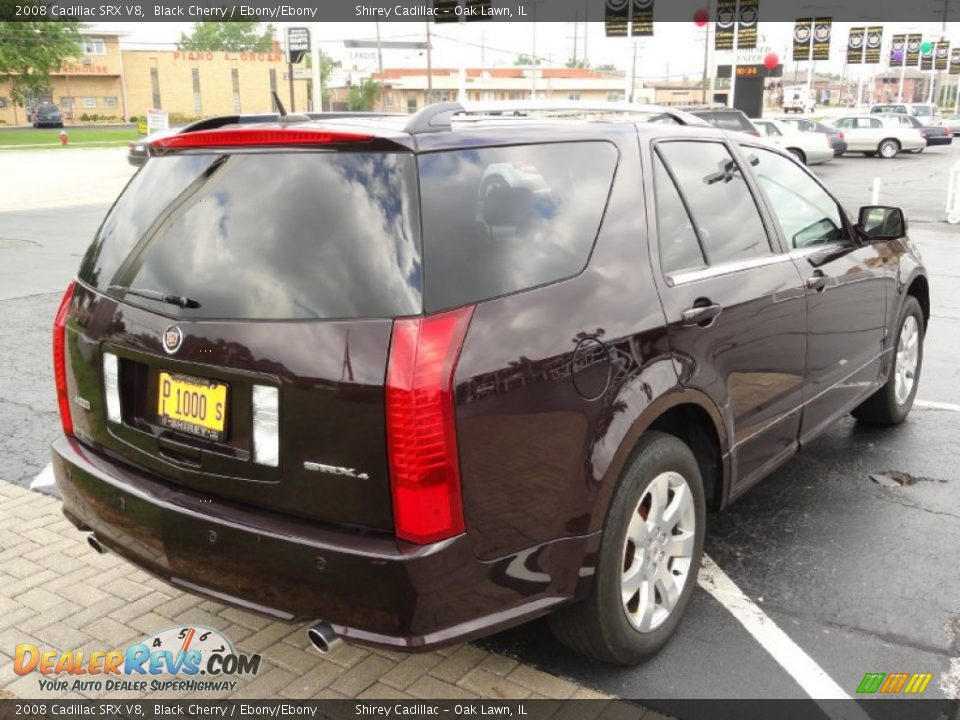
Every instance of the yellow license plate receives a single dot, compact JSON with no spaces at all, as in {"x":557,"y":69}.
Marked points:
{"x":192,"y":405}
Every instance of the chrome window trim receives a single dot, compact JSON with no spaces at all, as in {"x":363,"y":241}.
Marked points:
{"x":686,"y":277}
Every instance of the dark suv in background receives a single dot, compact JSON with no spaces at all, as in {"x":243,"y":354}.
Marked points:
{"x":46,"y":114}
{"x":423,"y":379}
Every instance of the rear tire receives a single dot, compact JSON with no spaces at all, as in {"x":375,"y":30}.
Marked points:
{"x":651,"y":550}
{"x":891,"y":404}
{"x":798,"y":154}
{"x":888,"y":148}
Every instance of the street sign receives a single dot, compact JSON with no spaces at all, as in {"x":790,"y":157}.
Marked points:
{"x":298,"y":43}
{"x":157,"y":120}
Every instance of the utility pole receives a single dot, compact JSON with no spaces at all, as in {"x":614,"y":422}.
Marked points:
{"x":633,"y":73}
{"x":316,"y":85}
{"x":706,"y":54}
{"x":586,"y":31}
{"x":576,"y":30}
{"x":533,"y":70}
{"x":429,"y":67}
{"x":379,"y":52}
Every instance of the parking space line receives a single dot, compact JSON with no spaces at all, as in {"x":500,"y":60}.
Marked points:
{"x":935,"y":405}
{"x":44,"y":479}
{"x":791,"y":657}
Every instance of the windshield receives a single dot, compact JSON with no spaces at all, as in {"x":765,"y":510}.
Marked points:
{"x":922,"y":110}
{"x":265,"y":236}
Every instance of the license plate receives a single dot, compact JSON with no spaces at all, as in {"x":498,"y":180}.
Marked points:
{"x":192,"y":405}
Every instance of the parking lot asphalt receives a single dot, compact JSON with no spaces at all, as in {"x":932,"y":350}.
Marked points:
{"x":860,"y":575}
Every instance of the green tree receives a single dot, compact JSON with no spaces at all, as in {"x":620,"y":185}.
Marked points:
{"x":578,"y":64}
{"x":365,"y":95}
{"x":229,"y":36}
{"x":327,"y":66}
{"x":605,"y":68}
{"x":523,"y":60}
{"x":30,"y":50}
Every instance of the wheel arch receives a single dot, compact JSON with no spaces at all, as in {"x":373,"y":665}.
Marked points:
{"x":694,"y":418}
{"x":919,"y":288}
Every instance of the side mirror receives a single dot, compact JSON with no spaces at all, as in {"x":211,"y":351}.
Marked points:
{"x":880,"y":223}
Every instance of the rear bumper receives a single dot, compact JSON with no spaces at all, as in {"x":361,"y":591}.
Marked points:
{"x":839,"y":147}
{"x":369,"y":588}
{"x":940,"y":140}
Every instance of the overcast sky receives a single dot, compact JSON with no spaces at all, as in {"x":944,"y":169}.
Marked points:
{"x":497,"y":44}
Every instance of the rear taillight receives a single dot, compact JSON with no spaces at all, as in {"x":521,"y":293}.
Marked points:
{"x":60,"y":359}
{"x":840,"y":135}
{"x":239,"y":137}
{"x":421,"y":427}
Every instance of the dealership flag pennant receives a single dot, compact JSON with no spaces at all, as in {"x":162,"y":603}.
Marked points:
{"x":822,"y":29}
{"x":616,"y":19}
{"x":941,"y":55}
{"x":913,"y":49}
{"x":642,"y":24}
{"x":855,"y":46}
{"x":873,"y":45}
{"x":723,"y":37}
{"x":898,"y":50}
{"x":747,"y":24}
{"x":926,"y":59}
{"x":955,"y":61}
{"x":802,"y":38}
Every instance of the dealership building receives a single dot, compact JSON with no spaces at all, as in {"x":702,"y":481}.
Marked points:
{"x":118,"y":83}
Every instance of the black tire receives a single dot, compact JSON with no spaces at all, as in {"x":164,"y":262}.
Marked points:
{"x":598,"y":626}
{"x":882,"y":407}
{"x":883,"y":149}
{"x":870,"y":154}
{"x":916,"y":152}
{"x":798,"y":154}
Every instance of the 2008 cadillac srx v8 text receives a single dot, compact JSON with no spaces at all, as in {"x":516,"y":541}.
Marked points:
{"x":423,"y":378}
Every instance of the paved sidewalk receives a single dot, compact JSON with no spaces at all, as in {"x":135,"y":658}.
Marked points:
{"x":57,"y":593}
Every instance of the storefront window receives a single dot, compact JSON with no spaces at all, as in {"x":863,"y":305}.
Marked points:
{"x":89,"y":102}
{"x":110,"y":101}
{"x":94,"y":46}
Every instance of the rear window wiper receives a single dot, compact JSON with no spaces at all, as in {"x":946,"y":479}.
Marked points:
{"x":177,"y":300}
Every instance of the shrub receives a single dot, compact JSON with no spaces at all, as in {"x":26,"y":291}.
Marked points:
{"x":85,"y":118}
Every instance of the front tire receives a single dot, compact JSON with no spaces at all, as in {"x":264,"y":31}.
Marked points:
{"x":891,"y":404}
{"x":888,"y":149}
{"x":798,"y":154}
{"x":649,"y":558}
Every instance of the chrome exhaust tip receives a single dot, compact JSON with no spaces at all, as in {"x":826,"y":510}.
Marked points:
{"x":323,"y":637}
{"x":93,"y":542}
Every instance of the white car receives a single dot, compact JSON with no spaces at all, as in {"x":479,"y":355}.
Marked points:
{"x":810,"y":148}
{"x":877,"y":135}
{"x":924,"y":112}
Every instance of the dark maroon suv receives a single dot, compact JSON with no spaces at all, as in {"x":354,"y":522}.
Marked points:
{"x":423,"y":379}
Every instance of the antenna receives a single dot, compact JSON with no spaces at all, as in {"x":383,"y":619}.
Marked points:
{"x":279,"y":105}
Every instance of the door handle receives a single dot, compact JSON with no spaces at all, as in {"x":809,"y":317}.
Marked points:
{"x":701,"y":315}
{"x":817,"y":281}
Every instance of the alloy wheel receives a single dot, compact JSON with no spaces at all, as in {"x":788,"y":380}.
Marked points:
{"x":908,"y":356}
{"x":657,"y":551}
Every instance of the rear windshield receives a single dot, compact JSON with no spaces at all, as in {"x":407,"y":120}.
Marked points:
{"x":922,"y":110}
{"x":266,"y":236}
{"x":731,"y":121}
{"x":499,"y":220}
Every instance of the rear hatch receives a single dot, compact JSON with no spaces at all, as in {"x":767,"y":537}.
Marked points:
{"x":241,"y":300}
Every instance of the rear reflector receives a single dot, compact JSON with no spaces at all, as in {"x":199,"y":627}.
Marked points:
{"x":238,"y":137}
{"x":421,"y":427}
{"x":266,"y":425}
{"x":60,"y":359}
{"x":111,"y":386}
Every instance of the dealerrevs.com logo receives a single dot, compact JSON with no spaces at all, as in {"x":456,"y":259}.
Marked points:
{"x":197,"y":658}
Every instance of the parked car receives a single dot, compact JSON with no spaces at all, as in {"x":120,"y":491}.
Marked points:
{"x":806,"y":125}
{"x":725,"y":118}
{"x":807,"y":147}
{"x":933,"y":134}
{"x":925,"y":112}
{"x":308,"y":368}
{"x":46,"y":114}
{"x":878,"y":135}
{"x":953,"y":122}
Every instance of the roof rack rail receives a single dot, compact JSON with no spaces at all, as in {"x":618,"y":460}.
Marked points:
{"x":439,"y":116}
{"x":433,"y":118}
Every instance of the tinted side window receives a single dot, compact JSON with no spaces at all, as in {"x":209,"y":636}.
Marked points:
{"x":679,"y":247}
{"x":807,"y":214}
{"x":724,"y":212}
{"x":499,"y":220}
